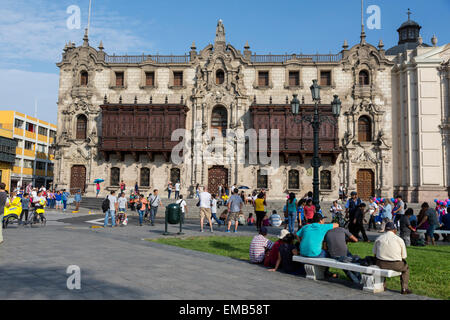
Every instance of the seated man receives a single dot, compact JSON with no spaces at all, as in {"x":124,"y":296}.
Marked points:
{"x":390,"y":252}
{"x":275,"y":219}
{"x":259,"y":245}
{"x":312,"y":235}
{"x":336,"y":243}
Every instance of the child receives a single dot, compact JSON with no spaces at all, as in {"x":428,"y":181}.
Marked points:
{"x":223,"y":216}
{"x":250,"y":220}
{"x":214,"y":209}
{"x":25,"y":208}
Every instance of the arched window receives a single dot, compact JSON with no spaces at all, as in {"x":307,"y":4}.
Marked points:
{"x":261,"y":180}
{"x":115,"y":176}
{"x":174,"y":175}
{"x":145,"y":177}
{"x":364,"y":129}
{"x":220,"y":77}
{"x":219,"y":119}
{"x":364,"y":78}
{"x":294,"y":181}
{"x":84,"y":78}
{"x":325,"y":180}
{"x":81,"y":127}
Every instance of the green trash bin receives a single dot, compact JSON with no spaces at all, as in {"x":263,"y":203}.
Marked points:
{"x":174,"y":216}
{"x":173,"y":212}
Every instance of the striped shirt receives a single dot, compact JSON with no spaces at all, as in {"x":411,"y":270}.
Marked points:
{"x":258,"y":248}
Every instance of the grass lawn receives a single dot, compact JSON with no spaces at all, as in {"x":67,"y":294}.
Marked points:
{"x":429,"y":266}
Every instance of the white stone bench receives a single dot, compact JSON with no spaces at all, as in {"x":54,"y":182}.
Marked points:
{"x":372,"y":277}
{"x":435,"y":231}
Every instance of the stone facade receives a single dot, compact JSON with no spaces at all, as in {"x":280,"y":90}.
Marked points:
{"x":201,"y":92}
{"x":421,"y":99}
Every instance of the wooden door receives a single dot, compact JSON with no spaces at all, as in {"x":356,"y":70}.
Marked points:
{"x":365,"y":184}
{"x":78,"y":179}
{"x":217,"y":175}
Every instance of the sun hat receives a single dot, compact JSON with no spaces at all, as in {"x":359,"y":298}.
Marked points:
{"x":283,"y":234}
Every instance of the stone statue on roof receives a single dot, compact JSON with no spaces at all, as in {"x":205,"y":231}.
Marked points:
{"x":220,"y":32}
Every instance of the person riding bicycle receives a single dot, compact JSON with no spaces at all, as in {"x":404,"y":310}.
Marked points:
{"x":39,"y":204}
{"x":13,"y":208}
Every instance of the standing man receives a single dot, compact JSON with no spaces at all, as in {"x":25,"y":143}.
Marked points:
{"x":154,"y":203}
{"x":3,"y":197}
{"x":220,"y":191}
{"x":235,"y":204}
{"x":169,"y":189}
{"x":350,"y":209}
{"x":205,"y":208}
{"x":65,"y":196}
{"x":113,"y":206}
{"x":390,"y":252}
{"x":136,"y":188}
{"x":77,"y":200}
{"x":177,"y":190}
{"x":183,"y":206}
{"x":358,"y":222}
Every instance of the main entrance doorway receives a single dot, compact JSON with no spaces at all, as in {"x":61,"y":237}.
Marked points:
{"x":365,"y":184}
{"x":217,"y":175}
{"x":78,"y":179}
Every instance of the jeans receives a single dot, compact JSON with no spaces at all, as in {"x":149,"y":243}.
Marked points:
{"x":113,"y":220}
{"x":354,"y":276}
{"x":65,"y":204}
{"x":177,"y":194}
{"x":291,"y":221}
{"x":372,"y":222}
{"x":169,"y":191}
{"x":141,"y":216}
{"x":219,"y":222}
{"x":323,"y":254}
{"x":153,"y":211}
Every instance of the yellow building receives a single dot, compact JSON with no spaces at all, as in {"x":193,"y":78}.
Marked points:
{"x":7,"y":154}
{"x":34,"y":149}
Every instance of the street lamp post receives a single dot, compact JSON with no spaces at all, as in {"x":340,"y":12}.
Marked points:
{"x":315,"y":121}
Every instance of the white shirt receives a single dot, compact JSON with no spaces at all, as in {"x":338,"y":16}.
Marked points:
{"x":214,"y":206}
{"x":182,"y":204}
{"x":33,"y":194}
{"x":372,"y":207}
{"x":177,"y":187}
{"x":205,"y":200}
{"x":112,"y":202}
{"x":122,"y":202}
{"x":389,"y":247}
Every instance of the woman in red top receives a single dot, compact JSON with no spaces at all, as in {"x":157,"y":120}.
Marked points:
{"x":310,"y":210}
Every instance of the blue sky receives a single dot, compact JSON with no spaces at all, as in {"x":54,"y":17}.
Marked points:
{"x":34,"y":32}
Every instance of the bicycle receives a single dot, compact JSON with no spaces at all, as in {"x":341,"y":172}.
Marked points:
{"x":33,"y":218}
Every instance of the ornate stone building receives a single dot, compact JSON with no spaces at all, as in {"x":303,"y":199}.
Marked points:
{"x":421,"y":109}
{"x":116,"y":115}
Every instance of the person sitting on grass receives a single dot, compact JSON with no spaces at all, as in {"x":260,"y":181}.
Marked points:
{"x":250,"y":219}
{"x":223,"y":216}
{"x":275,"y":219}
{"x":336,"y":247}
{"x":390,"y":253}
{"x":311,"y":237}
{"x":271,"y":258}
{"x":285,"y":254}
{"x":259,"y":245}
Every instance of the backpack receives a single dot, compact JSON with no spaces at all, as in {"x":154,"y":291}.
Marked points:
{"x":105,"y":205}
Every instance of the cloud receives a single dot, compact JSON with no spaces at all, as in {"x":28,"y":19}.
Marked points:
{"x":19,"y":89}
{"x":37,"y":31}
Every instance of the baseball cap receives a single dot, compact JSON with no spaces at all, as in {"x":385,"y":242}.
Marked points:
{"x":390,"y":226}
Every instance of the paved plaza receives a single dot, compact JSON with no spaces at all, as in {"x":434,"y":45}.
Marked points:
{"x":117,"y":263}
